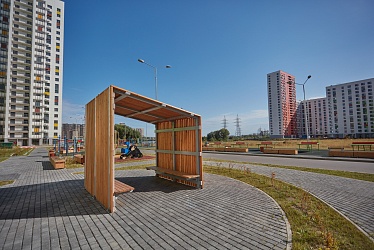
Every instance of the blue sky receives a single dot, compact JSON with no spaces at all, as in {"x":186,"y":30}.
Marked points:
{"x":220,"y":52}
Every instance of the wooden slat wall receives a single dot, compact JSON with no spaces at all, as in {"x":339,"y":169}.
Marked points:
{"x":100,"y":126}
{"x":164,"y":142}
{"x":90,"y":148}
{"x":99,"y":165}
{"x":184,"y":141}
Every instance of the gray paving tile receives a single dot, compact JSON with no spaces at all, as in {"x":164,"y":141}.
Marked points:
{"x":353,"y":198}
{"x":51,"y":208}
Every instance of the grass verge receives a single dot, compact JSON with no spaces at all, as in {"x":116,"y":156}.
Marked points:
{"x":314,"y":224}
{"x":5,"y":153}
{"x":3,"y":183}
{"x":70,"y":163}
{"x":346,"y":174}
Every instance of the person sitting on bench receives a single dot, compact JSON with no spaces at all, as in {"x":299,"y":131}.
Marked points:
{"x":133,"y":152}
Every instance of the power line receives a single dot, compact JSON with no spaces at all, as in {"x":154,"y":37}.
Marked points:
{"x":238,"y":131}
{"x":224,"y":122}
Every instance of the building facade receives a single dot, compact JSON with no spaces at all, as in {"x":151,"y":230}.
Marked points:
{"x":281,"y":105}
{"x":31,"y":70}
{"x":317,"y":117}
{"x":351,"y":109}
{"x":71,"y":131}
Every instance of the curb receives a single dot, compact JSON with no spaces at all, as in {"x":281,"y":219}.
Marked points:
{"x":296,"y":157}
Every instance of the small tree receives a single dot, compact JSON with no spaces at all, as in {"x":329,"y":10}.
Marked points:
{"x":219,"y":135}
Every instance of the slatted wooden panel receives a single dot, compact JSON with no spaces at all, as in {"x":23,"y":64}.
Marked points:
{"x":164,"y":142}
{"x":184,"y":141}
{"x":89,"y":170}
{"x":100,"y":127}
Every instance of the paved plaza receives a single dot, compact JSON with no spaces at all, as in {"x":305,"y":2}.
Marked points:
{"x":352,"y":198}
{"x":50,"y":209}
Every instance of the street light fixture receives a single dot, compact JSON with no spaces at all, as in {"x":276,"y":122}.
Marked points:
{"x":305,"y":109}
{"x":155,"y":72}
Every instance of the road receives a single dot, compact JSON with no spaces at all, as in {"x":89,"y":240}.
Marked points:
{"x":348,"y":165}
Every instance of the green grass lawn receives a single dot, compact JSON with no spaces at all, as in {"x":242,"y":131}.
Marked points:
{"x":5,"y":153}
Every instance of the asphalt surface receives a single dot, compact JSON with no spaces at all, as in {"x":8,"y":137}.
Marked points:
{"x":315,"y":159}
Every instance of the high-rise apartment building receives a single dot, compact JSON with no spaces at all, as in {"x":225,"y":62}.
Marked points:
{"x":281,"y":104}
{"x":351,"y":109}
{"x":31,"y":70}
{"x":317,"y":117}
{"x":71,"y":131}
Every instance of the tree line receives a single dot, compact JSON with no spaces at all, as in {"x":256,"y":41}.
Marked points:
{"x":126,"y":132}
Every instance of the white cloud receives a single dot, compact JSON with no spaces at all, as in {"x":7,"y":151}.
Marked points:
{"x":72,"y":112}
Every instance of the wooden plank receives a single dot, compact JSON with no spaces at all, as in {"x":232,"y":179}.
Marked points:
{"x":341,"y":153}
{"x":57,"y":163}
{"x":173,"y":172}
{"x":89,"y":167}
{"x":120,"y":187}
{"x":104,"y":140}
{"x":270,"y":151}
{"x":364,"y":154}
{"x":79,"y":158}
{"x":287,"y":151}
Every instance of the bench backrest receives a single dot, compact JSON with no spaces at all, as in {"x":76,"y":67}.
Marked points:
{"x":217,"y":142}
{"x":309,"y":142}
{"x":363,"y":142}
{"x":240,"y":142}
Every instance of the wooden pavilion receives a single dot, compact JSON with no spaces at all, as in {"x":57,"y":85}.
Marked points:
{"x":178,"y":142}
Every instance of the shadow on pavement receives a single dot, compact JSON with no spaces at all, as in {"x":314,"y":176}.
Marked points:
{"x":152,"y":184}
{"x":64,"y":198}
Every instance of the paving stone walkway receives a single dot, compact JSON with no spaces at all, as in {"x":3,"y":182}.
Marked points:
{"x":50,"y":209}
{"x":353,"y":198}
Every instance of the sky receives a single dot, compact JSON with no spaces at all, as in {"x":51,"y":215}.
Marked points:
{"x":219,"y":51}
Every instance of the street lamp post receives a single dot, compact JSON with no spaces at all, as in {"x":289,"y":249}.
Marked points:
{"x":155,"y":72}
{"x":305,"y":109}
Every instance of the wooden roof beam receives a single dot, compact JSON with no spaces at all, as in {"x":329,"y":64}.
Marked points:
{"x":146,"y":111}
{"x":136,"y":112}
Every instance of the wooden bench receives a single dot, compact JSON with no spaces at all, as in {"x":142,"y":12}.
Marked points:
{"x":363,"y":144}
{"x":57,"y":162}
{"x":308,"y":144}
{"x":173,"y":173}
{"x":265,"y":144}
{"x":282,"y":151}
{"x":79,"y":158}
{"x":351,"y":153}
{"x":335,"y":148}
{"x":287,"y":151}
{"x":120,"y":187}
{"x":51,"y":153}
{"x":364,"y":154}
